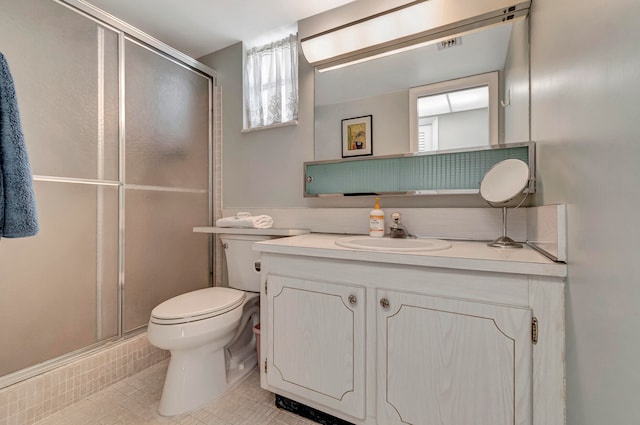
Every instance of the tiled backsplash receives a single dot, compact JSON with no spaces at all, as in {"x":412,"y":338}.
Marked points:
{"x":31,"y":400}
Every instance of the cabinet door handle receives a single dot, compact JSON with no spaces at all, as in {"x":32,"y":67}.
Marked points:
{"x":257,"y":265}
{"x":384,"y":303}
{"x":353,"y":300}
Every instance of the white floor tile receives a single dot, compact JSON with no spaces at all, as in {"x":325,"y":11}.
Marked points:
{"x":135,"y":401}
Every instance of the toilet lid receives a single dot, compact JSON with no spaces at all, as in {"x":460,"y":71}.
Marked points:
{"x":197,"y":305}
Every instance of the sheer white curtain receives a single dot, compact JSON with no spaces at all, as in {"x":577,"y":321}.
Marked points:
{"x":271,"y":83}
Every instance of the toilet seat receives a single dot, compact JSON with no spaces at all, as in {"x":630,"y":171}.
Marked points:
{"x":197,"y":305}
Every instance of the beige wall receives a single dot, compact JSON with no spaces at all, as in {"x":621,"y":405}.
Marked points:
{"x":261,"y":168}
{"x":585,"y":89}
{"x":390,"y":124}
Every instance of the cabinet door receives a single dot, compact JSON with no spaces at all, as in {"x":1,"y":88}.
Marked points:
{"x":452,"y":362}
{"x":316,"y":342}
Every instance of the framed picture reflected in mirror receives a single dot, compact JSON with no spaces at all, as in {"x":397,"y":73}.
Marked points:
{"x":357,"y":139}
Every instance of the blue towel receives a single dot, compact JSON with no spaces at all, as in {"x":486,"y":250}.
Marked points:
{"x":18,"y":214}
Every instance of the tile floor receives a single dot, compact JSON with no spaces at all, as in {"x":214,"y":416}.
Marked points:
{"x":134,"y":401}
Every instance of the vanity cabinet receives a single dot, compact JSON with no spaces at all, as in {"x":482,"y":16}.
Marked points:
{"x":370,"y":340}
{"x":316,"y":342}
{"x":447,"y":361}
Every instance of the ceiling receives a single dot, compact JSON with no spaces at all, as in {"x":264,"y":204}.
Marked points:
{"x":199,"y":27}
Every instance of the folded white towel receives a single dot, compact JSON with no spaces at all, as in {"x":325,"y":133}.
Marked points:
{"x":246,"y":220}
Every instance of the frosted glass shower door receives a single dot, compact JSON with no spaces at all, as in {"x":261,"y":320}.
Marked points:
{"x":118,"y":137}
{"x":167,"y":181}
{"x":59,"y":289}
{"x":66,"y":71}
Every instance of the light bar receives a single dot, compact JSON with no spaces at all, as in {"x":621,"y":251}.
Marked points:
{"x":405,"y":26}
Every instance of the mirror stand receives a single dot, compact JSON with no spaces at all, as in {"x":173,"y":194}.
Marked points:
{"x":505,"y":181}
{"x":504,"y":241}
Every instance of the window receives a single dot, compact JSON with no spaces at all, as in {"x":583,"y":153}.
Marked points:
{"x":428,"y":134}
{"x":271,"y":84}
{"x":454,"y":114}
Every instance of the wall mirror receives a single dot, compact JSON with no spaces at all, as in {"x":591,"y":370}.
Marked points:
{"x":382,"y":88}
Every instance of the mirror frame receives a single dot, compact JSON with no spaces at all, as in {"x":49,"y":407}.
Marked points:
{"x":490,"y":79}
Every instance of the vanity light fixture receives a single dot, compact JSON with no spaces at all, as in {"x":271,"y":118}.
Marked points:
{"x":405,"y":27}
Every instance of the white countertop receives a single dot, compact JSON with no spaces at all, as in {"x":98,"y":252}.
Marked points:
{"x":462,"y":255}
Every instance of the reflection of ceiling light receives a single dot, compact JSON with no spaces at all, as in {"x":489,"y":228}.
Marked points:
{"x":433,"y":105}
{"x":465,"y":100}
{"x":456,"y":101}
{"x":403,"y":27}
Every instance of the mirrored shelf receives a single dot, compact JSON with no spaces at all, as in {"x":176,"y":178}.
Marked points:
{"x":457,"y":171}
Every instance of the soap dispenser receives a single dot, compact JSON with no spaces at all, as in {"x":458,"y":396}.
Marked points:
{"x":376,"y":221}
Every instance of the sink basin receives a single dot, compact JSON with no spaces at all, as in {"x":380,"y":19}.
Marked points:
{"x":392,"y":245}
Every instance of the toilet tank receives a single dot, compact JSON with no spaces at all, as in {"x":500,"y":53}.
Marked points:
{"x":240,"y":259}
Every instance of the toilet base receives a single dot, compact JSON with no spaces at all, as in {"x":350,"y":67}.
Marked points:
{"x":188,"y":386}
{"x":194,"y":378}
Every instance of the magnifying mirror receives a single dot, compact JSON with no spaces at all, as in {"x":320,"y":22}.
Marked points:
{"x":503,"y":182}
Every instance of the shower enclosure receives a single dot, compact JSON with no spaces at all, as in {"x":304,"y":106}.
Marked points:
{"x":118,"y":130}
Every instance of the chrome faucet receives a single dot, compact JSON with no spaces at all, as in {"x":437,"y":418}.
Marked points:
{"x":397,"y":229}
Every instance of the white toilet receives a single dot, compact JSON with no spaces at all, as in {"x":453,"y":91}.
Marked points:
{"x":210,"y":332}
